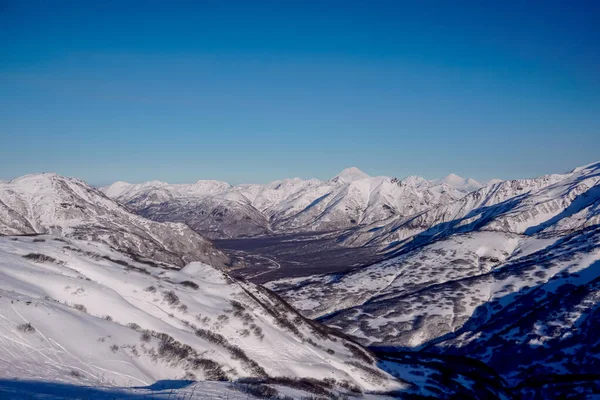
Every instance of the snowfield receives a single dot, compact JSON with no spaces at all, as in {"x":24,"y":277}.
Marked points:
{"x":79,"y":312}
{"x":164,"y":390}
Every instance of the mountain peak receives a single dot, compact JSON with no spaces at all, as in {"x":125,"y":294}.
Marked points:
{"x":453,"y":178}
{"x":458,"y":183}
{"x":37,"y":176}
{"x":415,"y":181}
{"x":350,"y":175}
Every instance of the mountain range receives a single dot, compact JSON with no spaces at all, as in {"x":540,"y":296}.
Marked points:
{"x":471,"y":290}
{"x":508,"y":274}
{"x":100,"y":300}
{"x":351,"y":198}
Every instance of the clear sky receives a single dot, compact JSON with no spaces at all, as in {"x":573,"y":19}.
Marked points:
{"x":252,"y":91}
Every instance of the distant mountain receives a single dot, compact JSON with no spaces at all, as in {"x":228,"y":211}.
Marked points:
{"x":459,"y":183}
{"x":349,"y":175}
{"x":52,"y":204}
{"x":453,"y":181}
{"x":475,"y":208}
{"x":350,"y":199}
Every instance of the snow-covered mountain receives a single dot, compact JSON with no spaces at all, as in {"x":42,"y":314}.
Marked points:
{"x":49,"y":203}
{"x":350,"y":199}
{"x":458,"y":182}
{"x":475,"y":209}
{"x":349,"y":175}
{"x":75,"y":313}
{"x":509,"y":269}
{"x":507,"y":274}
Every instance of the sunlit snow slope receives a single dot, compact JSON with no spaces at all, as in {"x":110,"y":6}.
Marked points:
{"x":74,"y":311}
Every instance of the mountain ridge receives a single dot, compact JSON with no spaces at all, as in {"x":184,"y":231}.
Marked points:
{"x":220,"y":210}
{"x":49,"y":203}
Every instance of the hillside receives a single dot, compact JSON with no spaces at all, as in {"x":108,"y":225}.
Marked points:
{"x":52,"y":204}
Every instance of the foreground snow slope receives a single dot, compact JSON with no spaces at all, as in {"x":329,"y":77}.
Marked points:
{"x":49,"y":203}
{"x":350,"y":199}
{"x":99,"y":317}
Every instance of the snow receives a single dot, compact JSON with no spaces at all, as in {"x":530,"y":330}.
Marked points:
{"x":458,"y":182}
{"x":120,"y":188}
{"x":350,"y":175}
{"x":514,"y":206}
{"x":459,"y":264}
{"x":165,"y":390}
{"x":444,"y":283}
{"x":74,"y":346}
{"x":493,"y":182}
{"x":394,"y":277}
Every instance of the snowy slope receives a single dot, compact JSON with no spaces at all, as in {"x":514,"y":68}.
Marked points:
{"x":552,"y":323}
{"x":201,"y":188}
{"x":526,"y":306}
{"x":49,"y":203}
{"x":228,"y":214}
{"x":349,"y":175}
{"x":169,"y":390}
{"x":98,"y":317}
{"x":465,"y":239}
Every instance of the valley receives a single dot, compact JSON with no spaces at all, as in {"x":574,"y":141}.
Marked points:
{"x":270,"y":258}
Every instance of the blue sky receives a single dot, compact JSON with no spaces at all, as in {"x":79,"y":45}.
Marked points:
{"x":256,"y":91}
